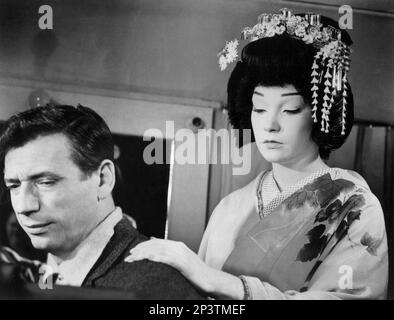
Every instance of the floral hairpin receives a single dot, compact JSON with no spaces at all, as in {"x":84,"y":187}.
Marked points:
{"x":228,"y":54}
{"x":331,"y":63}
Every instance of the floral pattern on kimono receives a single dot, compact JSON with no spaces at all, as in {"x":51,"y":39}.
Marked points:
{"x":327,"y":240}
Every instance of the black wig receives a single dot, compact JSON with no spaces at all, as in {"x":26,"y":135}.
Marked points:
{"x":278,"y":61}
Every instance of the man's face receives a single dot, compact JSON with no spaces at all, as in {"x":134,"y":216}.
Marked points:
{"x":54,"y":202}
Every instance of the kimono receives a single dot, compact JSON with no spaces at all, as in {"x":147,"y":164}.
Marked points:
{"x":325,"y":239}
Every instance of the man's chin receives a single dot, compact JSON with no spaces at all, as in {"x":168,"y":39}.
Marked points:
{"x":41,"y":243}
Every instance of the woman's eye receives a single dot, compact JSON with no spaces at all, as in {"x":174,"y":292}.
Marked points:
{"x":293,"y":111}
{"x":258,"y":110}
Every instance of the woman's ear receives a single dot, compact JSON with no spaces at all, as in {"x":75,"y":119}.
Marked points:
{"x":107,"y":179}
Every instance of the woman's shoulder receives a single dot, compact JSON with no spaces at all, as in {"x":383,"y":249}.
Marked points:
{"x":361,"y":193}
{"x":360,"y":184}
{"x":352,"y":176}
{"x":245,"y":193}
{"x":239,"y":201}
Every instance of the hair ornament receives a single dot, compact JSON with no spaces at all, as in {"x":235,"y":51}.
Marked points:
{"x":330,"y":65}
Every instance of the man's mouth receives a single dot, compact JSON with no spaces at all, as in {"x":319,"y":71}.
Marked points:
{"x":37,"y":225}
{"x":37,"y":228}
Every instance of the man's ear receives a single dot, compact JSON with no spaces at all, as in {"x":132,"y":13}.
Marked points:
{"x":107,"y":178}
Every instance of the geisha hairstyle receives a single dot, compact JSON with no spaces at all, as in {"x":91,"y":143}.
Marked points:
{"x":284,"y":60}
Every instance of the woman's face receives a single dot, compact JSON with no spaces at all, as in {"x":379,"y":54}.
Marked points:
{"x":282,"y":124}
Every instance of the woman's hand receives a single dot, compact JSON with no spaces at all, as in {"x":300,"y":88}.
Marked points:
{"x":179,"y":256}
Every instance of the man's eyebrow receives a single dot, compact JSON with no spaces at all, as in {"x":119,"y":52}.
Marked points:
{"x":8,"y":180}
{"x":34,"y":177}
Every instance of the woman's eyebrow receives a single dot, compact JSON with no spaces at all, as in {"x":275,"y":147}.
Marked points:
{"x":282,"y":95}
{"x":258,"y":93}
{"x":291,"y":94}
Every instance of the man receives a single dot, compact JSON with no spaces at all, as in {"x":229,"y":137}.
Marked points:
{"x":58,"y":167}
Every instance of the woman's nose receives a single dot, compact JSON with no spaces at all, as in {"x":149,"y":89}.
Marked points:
{"x":272,"y":123}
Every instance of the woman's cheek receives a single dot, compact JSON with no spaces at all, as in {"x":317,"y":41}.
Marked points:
{"x":257,"y":128}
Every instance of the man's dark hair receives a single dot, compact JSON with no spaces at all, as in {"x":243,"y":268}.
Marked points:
{"x":89,"y":136}
{"x":279,"y":61}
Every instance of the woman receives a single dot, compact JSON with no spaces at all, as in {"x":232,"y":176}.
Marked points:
{"x":301,"y":230}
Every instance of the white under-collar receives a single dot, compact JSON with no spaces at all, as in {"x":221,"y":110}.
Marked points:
{"x":269,"y":196}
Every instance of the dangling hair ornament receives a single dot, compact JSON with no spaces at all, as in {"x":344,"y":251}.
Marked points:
{"x":330,"y":65}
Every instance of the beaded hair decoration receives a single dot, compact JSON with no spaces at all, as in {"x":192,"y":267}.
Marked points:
{"x":331,"y":62}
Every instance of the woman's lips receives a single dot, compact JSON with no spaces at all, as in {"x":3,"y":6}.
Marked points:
{"x":271,"y":141}
{"x":272,"y":144}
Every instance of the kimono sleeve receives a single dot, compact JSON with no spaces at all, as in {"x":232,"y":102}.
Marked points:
{"x":216,"y":217}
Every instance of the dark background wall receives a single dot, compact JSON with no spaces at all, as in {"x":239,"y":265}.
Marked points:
{"x":169,"y":47}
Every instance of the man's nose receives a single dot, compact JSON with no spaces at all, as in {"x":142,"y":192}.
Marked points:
{"x":26,"y":201}
{"x":272,"y":123}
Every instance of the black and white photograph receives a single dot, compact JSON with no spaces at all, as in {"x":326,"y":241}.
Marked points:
{"x":196,"y":151}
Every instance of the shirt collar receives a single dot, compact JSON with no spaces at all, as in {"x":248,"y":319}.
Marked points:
{"x":74,"y":270}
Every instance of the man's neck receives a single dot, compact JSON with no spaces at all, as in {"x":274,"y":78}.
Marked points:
{"x":104,"y":210}
{"x":73,"y":268}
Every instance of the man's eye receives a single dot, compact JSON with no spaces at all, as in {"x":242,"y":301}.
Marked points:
{"x":46,"y":183}
{"x":12,"y":186}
